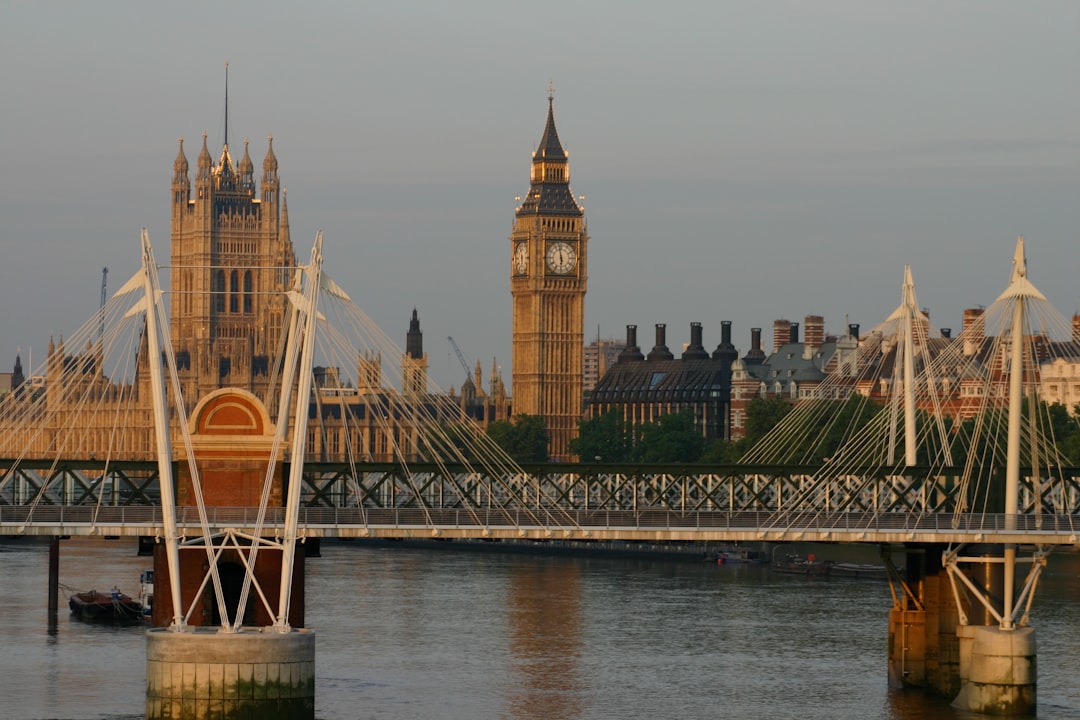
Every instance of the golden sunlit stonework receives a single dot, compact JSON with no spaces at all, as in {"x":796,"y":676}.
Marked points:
{"x":231,"y":261}
{"x":548,"y":273}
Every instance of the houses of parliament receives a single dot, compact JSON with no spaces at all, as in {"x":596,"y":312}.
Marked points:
{"x":231,"y":263}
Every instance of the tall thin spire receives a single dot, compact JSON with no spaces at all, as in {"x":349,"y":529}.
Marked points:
{"x":226,"y":103}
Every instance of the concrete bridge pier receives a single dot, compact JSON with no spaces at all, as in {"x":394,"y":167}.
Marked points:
{"x":958,"y":651}
{"x":924,"y":652}
{"x":210,"y":674}
{"x":998,"y":670}
{"x":998,"y":665}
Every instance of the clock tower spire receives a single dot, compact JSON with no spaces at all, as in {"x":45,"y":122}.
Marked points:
{"x":548,"y":249}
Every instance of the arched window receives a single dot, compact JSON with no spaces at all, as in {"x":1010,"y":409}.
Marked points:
{"x":247,"y":291}
{"x":218,"y":290}
{"x":234,"y":292}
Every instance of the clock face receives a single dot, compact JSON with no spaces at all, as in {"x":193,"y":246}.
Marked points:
{"x":521,"y":258}
{"x":561,"y":257}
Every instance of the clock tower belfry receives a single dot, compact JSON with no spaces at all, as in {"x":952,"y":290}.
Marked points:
{"x":548,"y":262}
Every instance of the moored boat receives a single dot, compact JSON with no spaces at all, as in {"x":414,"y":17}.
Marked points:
{"x":797,"y":565}
{"x":739,"y":557}
{"x":113,"y":606}
{"x":858,"y":570}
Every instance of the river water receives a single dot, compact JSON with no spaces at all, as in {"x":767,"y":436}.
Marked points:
{"x":407,"y":633}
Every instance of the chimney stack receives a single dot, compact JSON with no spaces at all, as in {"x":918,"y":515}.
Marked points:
{"x":781,"y":334}
{"x":660,"y":350}
{"x":815,"y":335}
{"x":756,"y":355}
{"x":695,"y":350}
{"x":974,"y":332}
{"x":631,"y":352}
{"x":725,"y":351}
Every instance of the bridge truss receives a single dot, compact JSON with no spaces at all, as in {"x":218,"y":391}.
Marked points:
{"x":545,"y":502}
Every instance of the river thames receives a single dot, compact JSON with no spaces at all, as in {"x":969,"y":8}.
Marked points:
{"x":406,"y":633}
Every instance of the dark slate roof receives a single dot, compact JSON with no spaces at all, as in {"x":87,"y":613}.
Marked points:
{"x":550,"y":147}
{"x":550,"y":198}
{"x":674,"y":381}
{"x":787,"y":365}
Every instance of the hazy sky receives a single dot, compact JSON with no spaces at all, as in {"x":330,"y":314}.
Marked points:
{"x":741,"y":161}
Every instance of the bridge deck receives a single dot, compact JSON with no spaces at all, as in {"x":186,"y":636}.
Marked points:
{"x":644,"y":525}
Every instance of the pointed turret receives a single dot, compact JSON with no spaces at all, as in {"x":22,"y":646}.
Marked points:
{"x":550,"y":191}
{"x":550,"y":147}
{"x":247,"y":170}
{"x":226,"y":171}
{"x":180,"y":166}
{"x":414,"y":339}
{"x":206,"y":163}
{"x":270,"y":166}
{"x":181,"y":185}
{"x":17,"y":377}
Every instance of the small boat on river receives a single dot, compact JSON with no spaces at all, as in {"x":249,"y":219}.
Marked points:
{"x":739,"y":556}
{"x":798,"y":565}
{"x":858,"y":570}
{"x":113,"y":606}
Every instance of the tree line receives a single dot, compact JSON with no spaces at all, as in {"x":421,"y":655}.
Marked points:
{"x":673,"y":438}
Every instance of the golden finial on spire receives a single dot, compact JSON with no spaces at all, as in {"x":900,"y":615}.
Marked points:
{"x":551,"y":89}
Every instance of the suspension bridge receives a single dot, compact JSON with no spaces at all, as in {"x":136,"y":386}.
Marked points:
{"x":916,"y":439}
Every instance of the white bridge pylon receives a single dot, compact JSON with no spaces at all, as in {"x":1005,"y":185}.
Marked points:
{"x":303,"y":297}
{"x":972,"y":417}
{"x":338,"y":340}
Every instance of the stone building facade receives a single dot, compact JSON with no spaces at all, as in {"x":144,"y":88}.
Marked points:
{"x":548,"y":275}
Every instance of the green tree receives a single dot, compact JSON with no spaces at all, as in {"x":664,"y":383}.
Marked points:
{"x":762,"y":415}
{"x":724,"y":452}
{"x":524,"y":438}
{"x":671,"y":438}
{"x":606,"y":437}
{"x":451,"y":442}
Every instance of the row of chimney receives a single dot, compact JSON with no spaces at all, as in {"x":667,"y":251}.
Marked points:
{"x":785,"y":332}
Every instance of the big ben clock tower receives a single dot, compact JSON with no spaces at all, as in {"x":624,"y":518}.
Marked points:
{"x":548,"y":254}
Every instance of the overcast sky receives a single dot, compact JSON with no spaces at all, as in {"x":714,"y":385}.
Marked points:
{"x":741,"y":161}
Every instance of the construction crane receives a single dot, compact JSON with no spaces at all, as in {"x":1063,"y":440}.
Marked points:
{"x":104,"y":285}
{"x":460,"y":357}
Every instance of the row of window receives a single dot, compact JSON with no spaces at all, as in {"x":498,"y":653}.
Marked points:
{"x":238,"y":294}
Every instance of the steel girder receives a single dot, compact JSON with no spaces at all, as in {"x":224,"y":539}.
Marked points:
{"x":570,"y":488}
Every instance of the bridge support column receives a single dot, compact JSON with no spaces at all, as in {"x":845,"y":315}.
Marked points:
{"x":923,"y":649}
{"x":54,"y":578}
{"x":256,"y":672}
{"x":998,"y":670}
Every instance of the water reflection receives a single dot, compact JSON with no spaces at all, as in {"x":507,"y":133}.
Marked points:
{"x":545,"y":629}
{"x":409,"y":633}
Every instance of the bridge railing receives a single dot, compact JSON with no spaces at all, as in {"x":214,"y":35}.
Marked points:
{"x":639,"y":520}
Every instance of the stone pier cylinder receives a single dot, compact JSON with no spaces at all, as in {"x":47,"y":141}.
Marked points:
{"x":998,"y":670}
{"x":204,"y":674}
